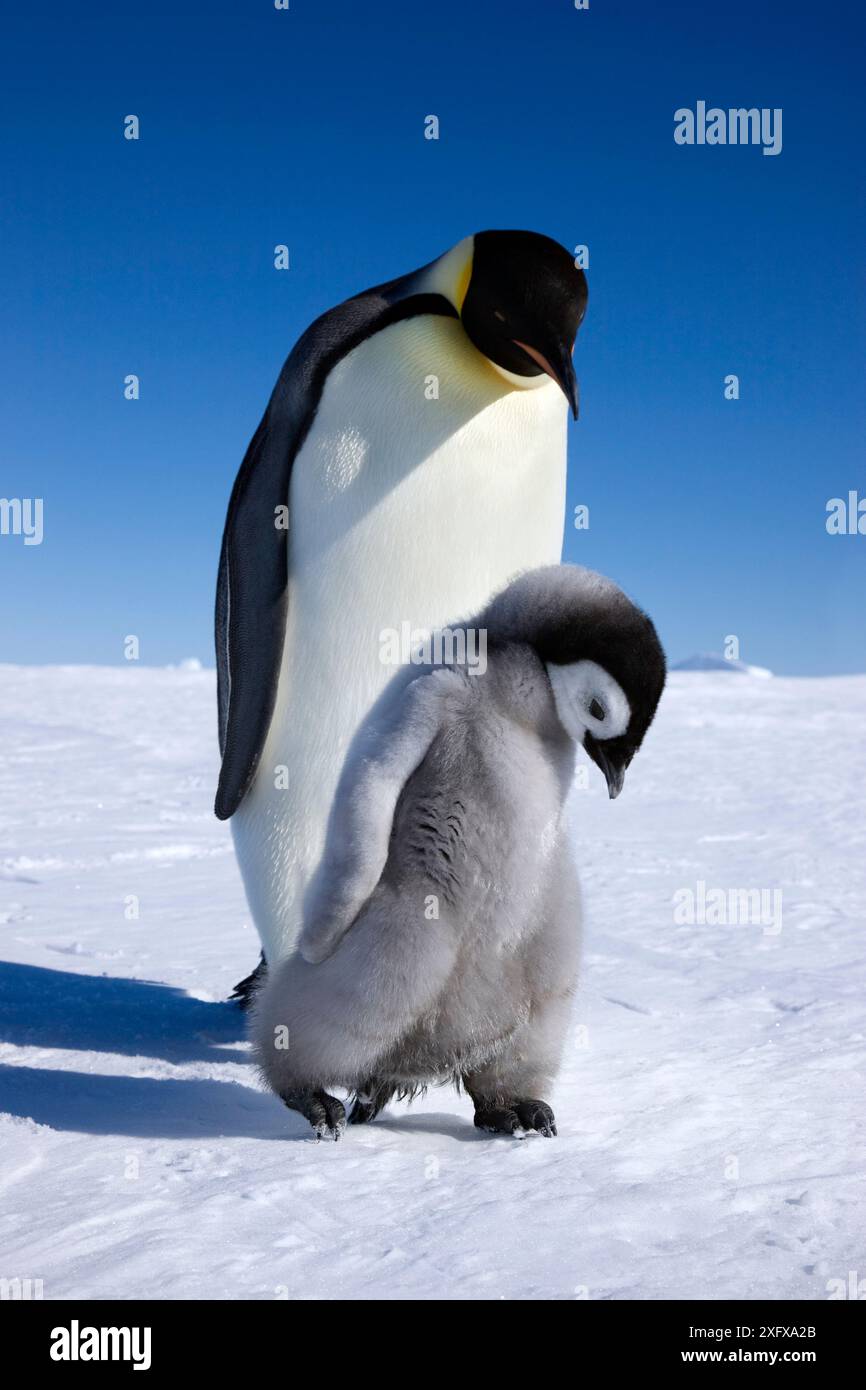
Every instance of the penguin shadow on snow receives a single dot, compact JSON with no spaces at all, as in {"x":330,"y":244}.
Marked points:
{"x":430,"y":1122}
{"x":142,"y":1107}
{"x":41,"y":1007}
{"x":57,"y":1009}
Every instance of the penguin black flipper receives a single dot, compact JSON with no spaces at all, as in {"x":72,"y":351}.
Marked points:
{"x":251,"y":598}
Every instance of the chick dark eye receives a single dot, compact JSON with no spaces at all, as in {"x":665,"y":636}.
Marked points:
{"x":596,"y":709}
{"x":498,"y":315}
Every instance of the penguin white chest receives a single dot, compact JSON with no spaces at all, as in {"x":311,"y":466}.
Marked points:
{"x":423,"y":470}
{"x":426,"y":482}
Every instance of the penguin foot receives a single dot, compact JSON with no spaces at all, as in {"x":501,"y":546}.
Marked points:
{"x":518,"y":1115}
{"x":370,"y":1098}
{"x":325,"y":1113}
{"x":328,"y":1118}
{"x":244,"y":991}
{"x":497,"y":1120}
{"x":536,"y":1114}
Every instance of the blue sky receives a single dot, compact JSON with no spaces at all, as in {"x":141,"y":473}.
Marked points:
{"x":306,"y":127}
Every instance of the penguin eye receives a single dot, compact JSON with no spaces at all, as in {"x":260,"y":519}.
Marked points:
{"x":498,"y":315}
{"x":596,"y":709}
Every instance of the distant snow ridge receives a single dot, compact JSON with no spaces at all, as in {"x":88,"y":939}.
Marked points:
{"x":709,"y":661}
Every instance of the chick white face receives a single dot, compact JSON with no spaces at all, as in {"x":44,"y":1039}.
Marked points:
{"x":589,"y":700}
{"x":593,"y":709}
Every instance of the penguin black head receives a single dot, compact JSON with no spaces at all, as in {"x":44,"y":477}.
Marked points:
{"x":601,"y":652}
{"x":523,"y":306}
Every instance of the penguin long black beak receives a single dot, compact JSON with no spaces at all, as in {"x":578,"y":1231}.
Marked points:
{"x":560,"y":367}
{"x":613,"y":769}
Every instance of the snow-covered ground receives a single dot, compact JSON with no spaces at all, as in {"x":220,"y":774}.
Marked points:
{"x":710,"y":1107}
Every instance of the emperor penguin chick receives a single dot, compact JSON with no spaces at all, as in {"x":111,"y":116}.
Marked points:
{"x":441,"y":929}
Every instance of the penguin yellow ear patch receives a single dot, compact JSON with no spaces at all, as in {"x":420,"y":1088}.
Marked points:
{"x":451,"y":273}
{"x":463,"y":283}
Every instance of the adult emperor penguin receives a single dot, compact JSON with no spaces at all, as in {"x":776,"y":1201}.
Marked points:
{"x":410,"y":461}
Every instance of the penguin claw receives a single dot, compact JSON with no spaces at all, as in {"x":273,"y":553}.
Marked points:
{"x":326,"y":1114}
{"x":324,"y":1131}
{"x":328,"y":1117}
